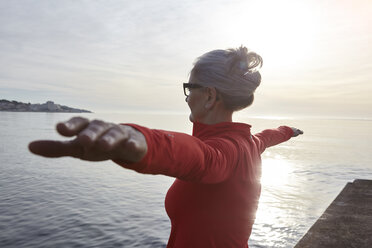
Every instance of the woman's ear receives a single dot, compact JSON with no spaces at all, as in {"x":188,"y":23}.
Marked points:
{"x":212,"y":97}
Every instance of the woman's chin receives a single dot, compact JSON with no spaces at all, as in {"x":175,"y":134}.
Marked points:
{"x":191,"y":118}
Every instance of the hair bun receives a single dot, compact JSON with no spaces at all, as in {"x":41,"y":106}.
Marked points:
{"x":242,"y":61}
{"x":253,"y":76}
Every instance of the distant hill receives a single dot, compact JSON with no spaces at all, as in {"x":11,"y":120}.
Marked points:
{"x":49,"y":106}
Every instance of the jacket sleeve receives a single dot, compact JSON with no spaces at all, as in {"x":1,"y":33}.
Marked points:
{"x":185,"y":157}
{"x":272,"y":137}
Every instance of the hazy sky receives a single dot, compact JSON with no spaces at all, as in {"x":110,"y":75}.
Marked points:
{"x":118,"y":55}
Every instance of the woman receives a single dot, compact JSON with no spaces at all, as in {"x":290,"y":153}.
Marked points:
{"x":213,"y":201}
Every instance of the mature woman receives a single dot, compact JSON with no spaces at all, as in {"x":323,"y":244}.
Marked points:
{"x":213,"y":201}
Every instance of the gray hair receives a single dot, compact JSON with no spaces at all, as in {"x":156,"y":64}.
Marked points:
{"x":233,"y":72}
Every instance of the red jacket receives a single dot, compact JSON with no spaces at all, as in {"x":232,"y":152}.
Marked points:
{"x":213,"y":201}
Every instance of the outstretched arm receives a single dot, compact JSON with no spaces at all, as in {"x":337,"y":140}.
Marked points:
{"x":144,"y":150}
{"x":94,"y":141}
{"x":272,"y":137}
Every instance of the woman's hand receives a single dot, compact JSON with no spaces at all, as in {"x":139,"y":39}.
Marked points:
{"x":94,"y":141}
{"x":296,"y":132}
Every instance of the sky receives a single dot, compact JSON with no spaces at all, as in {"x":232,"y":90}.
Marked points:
{"x":132,"y":56}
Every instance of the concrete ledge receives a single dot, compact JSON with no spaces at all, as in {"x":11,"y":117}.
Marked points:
{"x":347,"y":222}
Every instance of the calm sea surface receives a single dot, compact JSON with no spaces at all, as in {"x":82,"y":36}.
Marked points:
{"x":71,"y":203}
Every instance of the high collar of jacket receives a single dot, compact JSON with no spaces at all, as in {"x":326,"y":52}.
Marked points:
{"x":201,"y":130}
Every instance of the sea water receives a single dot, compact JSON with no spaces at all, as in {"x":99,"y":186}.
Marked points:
{"x":67,"y":202}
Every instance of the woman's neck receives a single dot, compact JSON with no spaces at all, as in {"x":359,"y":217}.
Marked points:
{"x":214,"y":117}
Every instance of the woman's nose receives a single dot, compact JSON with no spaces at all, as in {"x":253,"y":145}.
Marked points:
{"x":186,"y":98}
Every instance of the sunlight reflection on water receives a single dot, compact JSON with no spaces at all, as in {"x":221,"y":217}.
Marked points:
{"x":71,"y":203}
{"x":272,"y":216}
{"x":275,"y":171}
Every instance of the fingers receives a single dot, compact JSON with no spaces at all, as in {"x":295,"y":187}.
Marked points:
{"x":73,"y":126}
{"x":99,"y":135}
{"x":296,"y":132}
{"x":87,"y":132}
{"x":113,"y":137}
{"x":93,"y":132}
{"x":55,"y":149}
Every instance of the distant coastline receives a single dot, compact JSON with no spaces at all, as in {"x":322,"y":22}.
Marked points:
{"x":49,"y":106}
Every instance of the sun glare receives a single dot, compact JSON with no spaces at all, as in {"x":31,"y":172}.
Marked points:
{"x":277,"y":30}
{"x":275,"y":172}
